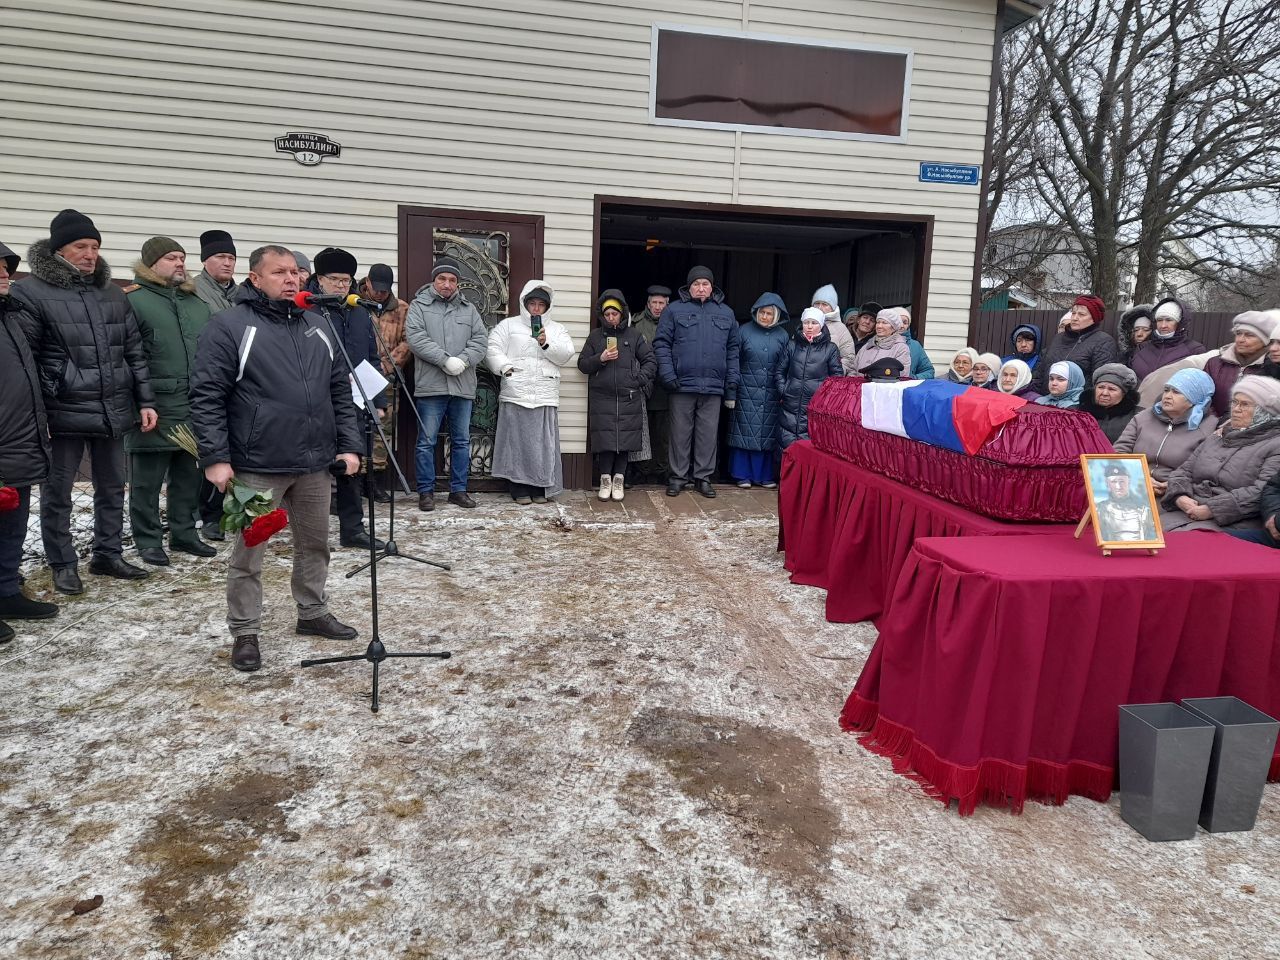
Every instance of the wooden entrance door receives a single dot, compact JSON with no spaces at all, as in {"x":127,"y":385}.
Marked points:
{"x":498,"y":253}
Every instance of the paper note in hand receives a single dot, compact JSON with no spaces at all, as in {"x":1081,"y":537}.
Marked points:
{"x":371,"y":379}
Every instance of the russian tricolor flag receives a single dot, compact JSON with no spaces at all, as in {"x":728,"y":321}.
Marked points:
{"x":945,"y":414}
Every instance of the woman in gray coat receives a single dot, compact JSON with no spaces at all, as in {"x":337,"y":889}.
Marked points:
{"x":1221,"y":483}
{"x":1170,"y":431}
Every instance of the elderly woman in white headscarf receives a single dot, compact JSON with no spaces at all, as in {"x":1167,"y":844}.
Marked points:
{"x":1015,"y":379}
{"x":888,"y":342}
{"x":1221,"y":483}
{"x":986,"y":371}
{"x":961,"y":369}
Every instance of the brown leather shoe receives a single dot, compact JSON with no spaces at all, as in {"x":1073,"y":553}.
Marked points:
{"x":462,"y":499}
{"x":327,"y":626}
{"x":244,"y":653}
{"x":426,"y":501}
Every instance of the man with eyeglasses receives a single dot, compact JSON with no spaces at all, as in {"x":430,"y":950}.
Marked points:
{"x":334,"y":274}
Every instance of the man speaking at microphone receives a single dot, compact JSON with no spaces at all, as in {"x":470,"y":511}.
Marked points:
{"x":271,"y":406}
{"x":334,"y":274}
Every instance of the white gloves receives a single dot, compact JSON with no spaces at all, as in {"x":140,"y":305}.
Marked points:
{"x":455,"y":366}
{"x":730,"y":404}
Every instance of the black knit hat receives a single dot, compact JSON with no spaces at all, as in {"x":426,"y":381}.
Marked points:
{"x":70,"y":226}
{"x":658,"y":290}
{"x":870,"y":308}
{"x":334,"y":260}
{"x":158,"y":247}
{"x":700,"y":273}
{"x":446,"y":266}
{"x":381,"y":278}
{"x":213,"y":242}
{"x":11,"y":259}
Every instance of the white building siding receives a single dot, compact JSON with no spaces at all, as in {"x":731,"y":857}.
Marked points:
{"x":159,"y":120}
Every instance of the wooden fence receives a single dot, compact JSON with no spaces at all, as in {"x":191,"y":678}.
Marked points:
{"x":991,"y":332}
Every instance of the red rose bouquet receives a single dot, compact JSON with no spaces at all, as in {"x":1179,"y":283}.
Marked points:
{"x":9,"y":499}
{"x":244,"y":511}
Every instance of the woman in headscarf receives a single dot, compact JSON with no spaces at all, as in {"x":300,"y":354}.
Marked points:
{"x":753,"y":422}
{"x":527,"y":352}
{"x":620,"y":368}
{"x":1112,"y":400}
{"x":1168,"y":341}
{"x":809,"y":359}
{"x":1082,"y":341}
{"x":961,"y":369}
{"x":1015,"y":379}
{"x":986,"y":371}
{"x":1171,"y":430}
{"x":1251,"y":333}
{"x":1066,"y":383}
{"x":1221,"y":483}
{"x":888,"y":342}
{"x":1025,"y":344}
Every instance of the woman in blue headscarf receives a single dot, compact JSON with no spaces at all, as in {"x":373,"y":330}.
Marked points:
{"x":1171,"y":430}
{"x":1066,"y":383}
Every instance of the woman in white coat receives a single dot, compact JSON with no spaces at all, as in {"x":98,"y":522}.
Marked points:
{"x":527,"y":352}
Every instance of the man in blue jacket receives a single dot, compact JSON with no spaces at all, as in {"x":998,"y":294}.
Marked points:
{"x":697,"y":349}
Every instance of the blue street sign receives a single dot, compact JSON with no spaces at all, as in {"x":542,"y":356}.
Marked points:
{"x":964,"y":174}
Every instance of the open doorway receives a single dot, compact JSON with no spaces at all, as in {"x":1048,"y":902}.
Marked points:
{"x":754,"y":249}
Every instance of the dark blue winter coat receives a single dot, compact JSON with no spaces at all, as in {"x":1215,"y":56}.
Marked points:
{"x":697,"y":346}
{"x":799,"y":374}
{"x":753,"y":424}
{"x":355,"y":327}
{"x":1031,"y":360}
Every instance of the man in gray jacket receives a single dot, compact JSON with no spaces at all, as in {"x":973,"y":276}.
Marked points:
{"x":448,"y":338}
{"x":216,"y":284}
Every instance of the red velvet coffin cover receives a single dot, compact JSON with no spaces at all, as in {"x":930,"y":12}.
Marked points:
{"x":1030,"y":470}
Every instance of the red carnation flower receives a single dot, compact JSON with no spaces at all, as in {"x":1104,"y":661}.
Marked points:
{"x":265,"y":527}
{"x":9,"y":499}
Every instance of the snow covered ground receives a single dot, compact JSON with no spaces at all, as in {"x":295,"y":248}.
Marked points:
{"x":632,"y":753}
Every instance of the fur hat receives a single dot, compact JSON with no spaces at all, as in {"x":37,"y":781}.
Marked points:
{"x":335,"y":260}
{"x":70,"y":226}
{"x":158,"y":247}
{"x":213,"y":242}
{"x":869,"y":309}
{"x":1118,"y":374}
{"x":658,"y":290}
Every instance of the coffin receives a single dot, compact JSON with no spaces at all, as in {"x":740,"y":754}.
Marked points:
{"x":1029,"y":470}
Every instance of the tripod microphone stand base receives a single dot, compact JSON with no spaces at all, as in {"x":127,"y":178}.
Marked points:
{"x":390,"y":549}
{"x":375,"y":653}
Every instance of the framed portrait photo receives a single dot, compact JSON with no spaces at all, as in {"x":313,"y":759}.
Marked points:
{"x":1122,"y":506}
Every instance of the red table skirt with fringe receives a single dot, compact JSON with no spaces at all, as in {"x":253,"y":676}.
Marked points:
{"x":849,"y":531}
{"x":1000,"y":665}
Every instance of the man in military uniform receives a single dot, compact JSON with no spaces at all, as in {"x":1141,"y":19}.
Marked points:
{"x":171,"y":318}
{"x":1124,"y":516}
{"x":650,"y":462}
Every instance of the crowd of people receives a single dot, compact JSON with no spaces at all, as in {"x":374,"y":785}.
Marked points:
{"x":253,"y":371}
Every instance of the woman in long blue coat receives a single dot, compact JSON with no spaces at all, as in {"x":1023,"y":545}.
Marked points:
{"x":753,"y":423}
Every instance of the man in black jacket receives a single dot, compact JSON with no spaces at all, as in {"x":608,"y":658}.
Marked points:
{"x":335,"y":273}
{"x":93,"y":374}
{"x":271,"y":405}
{"x":24,"y":454}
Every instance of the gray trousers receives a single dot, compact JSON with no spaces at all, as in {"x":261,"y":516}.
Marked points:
{"x":695,"y":425}
{"x":106,"y":459}
{"x":306,"y":498}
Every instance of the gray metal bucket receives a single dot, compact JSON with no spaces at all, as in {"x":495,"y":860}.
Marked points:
{"x":1244,"y":740}
{"x":1164,"y":759}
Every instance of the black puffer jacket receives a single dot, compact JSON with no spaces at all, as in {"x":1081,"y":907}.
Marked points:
{"x":801,"y":370}
{"x":24,"y":431}
{"x":1112,"y":420}
{"x":269,"y":391}
{"x":1089,"y":349}
{"x":87,"y":346}
{"x":616,"y":391}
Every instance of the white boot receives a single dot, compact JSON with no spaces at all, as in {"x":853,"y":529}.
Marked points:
{"x":619,"y":486}
{"x":606,"y":487}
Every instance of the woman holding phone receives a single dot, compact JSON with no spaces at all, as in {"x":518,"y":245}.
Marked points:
{"x":527,"y":352}
{"x":620,"y":368}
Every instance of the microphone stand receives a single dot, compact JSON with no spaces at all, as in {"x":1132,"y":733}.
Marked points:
{"x":375,"y":653}
{"x":390,"y":547}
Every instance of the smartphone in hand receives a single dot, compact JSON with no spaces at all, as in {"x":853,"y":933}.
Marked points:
{"x":535,"y":327}
{"x":611,"y":343}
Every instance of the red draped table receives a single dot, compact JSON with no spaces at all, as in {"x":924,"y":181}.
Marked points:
{"x":1001,"y":662}
{"x":849,"y":530}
